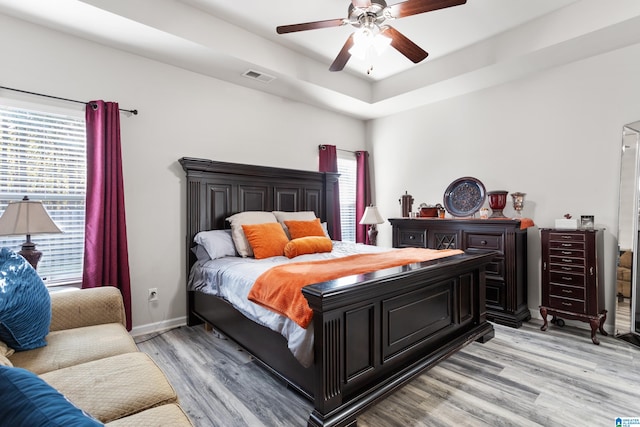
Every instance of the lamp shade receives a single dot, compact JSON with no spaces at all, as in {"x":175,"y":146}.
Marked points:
{"x":371,"y":216}
{"x":26,"y":217}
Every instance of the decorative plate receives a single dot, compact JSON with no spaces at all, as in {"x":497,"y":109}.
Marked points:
{"x":464,"y":196}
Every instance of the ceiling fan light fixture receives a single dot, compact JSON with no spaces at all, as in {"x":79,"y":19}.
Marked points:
{"x":366,"y":41}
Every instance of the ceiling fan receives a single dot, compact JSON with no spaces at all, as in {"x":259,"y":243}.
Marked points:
{"x":370,"y":17}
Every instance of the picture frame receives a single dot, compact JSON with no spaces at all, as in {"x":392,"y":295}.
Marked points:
{"x":586,"y":221}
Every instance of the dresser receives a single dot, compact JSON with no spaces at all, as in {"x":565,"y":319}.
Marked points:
{"x":572,"y":277}
{"x":506,"y":275}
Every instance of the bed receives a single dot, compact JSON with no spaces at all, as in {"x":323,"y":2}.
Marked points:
{"x":372,"y":332}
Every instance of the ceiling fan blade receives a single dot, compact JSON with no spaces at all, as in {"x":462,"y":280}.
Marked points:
{"x":403,"y":45}
{"x":414,"y":7}
{"x":363,"y":4}
{"x":343,"y":57}
{"x":283,"y":29}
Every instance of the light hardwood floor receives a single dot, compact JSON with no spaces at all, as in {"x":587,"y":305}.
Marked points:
{"x":522,"y":377}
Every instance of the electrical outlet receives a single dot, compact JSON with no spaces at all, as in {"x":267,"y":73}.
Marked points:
{"x":153,"y":294}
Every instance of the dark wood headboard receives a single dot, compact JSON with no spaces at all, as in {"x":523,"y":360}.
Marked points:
{"x":216,"y":190}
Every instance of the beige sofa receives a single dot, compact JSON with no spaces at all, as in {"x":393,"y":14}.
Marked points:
{"x":93,"y":361}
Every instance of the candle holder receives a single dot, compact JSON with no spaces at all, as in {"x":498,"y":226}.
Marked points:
{"x":497,"y":202}
{"x":518,"y":202}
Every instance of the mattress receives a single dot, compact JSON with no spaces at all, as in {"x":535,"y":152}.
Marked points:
{"x":231,"y":278}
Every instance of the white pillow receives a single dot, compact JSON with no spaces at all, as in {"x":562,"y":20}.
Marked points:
{"x":293,"y":216}
{"x":250,"y":217}
{"x":325,"y":229}
{"x":217,"y":243}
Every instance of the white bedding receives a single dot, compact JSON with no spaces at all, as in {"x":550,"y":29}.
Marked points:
{"x":232,"y":278}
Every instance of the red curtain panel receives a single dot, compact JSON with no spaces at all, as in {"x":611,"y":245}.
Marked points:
{"x":106,"y":257}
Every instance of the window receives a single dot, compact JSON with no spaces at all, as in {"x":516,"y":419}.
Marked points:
{"x":347,"y":183}
{"x":43,"y":156}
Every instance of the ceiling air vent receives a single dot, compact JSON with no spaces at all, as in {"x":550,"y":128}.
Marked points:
{"x":256,"y":75}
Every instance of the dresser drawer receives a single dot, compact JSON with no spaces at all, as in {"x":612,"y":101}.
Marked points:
{"x":575,"y":237}
{"x":566,"y":260}
{"x":495,"y":268}
{"x":568,"y":267}
{"x":485,"y":241}
{"x":569,"y":244}
{"x":566,"y":278}
{"x":412,"y":238}
{"x":566,"y":304}
{"x":567,"y":253}
{"x":567,"y":292}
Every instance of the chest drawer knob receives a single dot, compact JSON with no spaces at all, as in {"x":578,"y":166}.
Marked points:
{"x":412,"y":237}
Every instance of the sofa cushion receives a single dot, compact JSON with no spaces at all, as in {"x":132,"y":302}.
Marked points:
{"x":114,"y":387}
{"x":170,"y":415}
{"x":73,"y":346}
{"x":26,"y":400}
{"x":25,"y":305}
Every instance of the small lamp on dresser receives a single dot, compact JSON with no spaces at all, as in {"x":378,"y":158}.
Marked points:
{"x":27,"y":217}
{"x":372,"y":217}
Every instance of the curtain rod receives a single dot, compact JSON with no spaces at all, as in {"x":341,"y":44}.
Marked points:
{"x":322,"y":147}
{"x":134,"y":112}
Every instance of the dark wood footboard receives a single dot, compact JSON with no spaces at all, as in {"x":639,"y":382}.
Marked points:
{"x":381,"y":330}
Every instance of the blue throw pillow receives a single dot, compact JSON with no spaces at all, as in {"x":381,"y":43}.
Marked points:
{"x":25,"y":304}
{"x":27,"y":400}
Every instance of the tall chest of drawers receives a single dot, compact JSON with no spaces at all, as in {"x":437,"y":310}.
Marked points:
{"x":506,"y":275}
{"x":572,"y":277}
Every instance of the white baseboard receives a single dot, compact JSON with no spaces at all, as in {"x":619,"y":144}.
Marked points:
{"x":150,"y":328}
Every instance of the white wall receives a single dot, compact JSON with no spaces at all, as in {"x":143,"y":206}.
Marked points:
{"x":181,"y":114}
{"x":554,"y":135}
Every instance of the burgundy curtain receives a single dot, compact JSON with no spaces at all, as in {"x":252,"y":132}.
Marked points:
{"x":329,"y":163}
{"x":106,"y":258}
{"x":363,"y":194}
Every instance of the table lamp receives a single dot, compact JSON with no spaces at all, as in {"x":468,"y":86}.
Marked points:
{"x":27,"y":217}
{"x":372,"y":217}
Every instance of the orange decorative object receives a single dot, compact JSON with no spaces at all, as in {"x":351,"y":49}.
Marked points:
{"x":299,"y":229}
{"x":307,"y":245}
{"x":266,"y":239}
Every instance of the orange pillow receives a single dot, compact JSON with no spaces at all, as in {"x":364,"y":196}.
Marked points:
{"x":307,"y":245}
{"x":299,"y":229}
{"x":266,"y":239}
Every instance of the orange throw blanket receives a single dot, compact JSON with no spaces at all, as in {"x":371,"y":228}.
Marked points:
{"x":280,"y":288}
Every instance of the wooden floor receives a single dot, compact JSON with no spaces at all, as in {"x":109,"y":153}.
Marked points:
{"x":522,"y":377}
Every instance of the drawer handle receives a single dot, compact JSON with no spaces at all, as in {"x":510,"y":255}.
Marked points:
{"x":566,"y":237}
{"x":591,"y":271}
{"x":566,"y":291}
{"x":566,"y":260}
{"x":567,"y":245}
{"x":567,"y":268}
{"x":483,"y":242}
{"x":412,"y":237}
{"x":568,"y":304}
{"x":570,"y":279}
{"x":566,"y":253}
